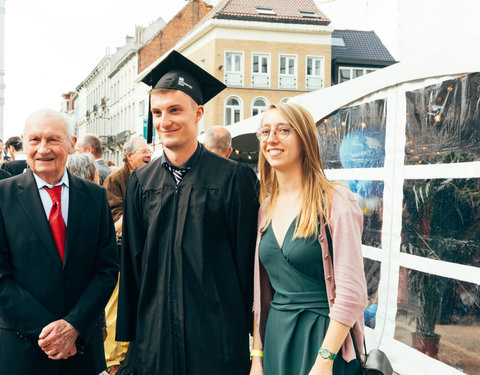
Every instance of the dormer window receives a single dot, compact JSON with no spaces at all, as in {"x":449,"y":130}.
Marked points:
{"x":338,"y":41}
{"x":306,"y":14}
{"x":266,"y":11}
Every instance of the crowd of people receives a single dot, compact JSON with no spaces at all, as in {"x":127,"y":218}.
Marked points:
{"x":165,"y":266}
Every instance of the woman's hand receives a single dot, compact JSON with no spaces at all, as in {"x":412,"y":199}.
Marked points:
{"x":322,"y":367}
{"x":257,"y":366}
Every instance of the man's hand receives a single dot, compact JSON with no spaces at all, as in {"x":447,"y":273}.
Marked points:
{"x":57,"y":340}
{"x":118,"y":227}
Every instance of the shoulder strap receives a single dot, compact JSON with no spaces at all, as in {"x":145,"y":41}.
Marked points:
{"x":330,"y":249}
{"x":329,"y":240}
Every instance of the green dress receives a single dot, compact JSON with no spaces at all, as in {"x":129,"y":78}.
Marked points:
{"x":298,"y":318}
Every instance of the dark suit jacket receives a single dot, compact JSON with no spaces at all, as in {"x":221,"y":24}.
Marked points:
{"x":15,"y":167}
{"x":36,"y":288}
{"x":103,"y":170}
{"x":4,"y":174}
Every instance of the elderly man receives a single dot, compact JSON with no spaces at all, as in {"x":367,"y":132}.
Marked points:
{"x":189,"y":227}
{"x":218,"y":140}
{"x":137,"y":154}
{"x":91,"y":143}
{"x":18,"y":162}
{"x":58,"y":259}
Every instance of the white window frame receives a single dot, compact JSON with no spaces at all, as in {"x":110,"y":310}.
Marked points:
{"x":287,"y":77}
{"x":310,"y":79}
{"x":262,"y":76}
{"x":233,"y":73}
{"x":232,"y":114}
{"x":253,"y":106}
{"x":351,"y":68}
{"x":265,"y":11}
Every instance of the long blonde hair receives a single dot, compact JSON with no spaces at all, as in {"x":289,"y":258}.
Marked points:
{"x":316,"y":191}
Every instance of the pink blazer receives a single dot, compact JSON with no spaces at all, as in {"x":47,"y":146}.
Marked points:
{"x":346,"y":286}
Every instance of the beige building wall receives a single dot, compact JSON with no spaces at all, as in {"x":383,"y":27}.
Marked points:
{"x":206,"y":58}
{"x":211,"y":56}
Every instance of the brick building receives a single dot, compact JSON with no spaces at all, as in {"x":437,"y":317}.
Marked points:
{"x":175,"y":29}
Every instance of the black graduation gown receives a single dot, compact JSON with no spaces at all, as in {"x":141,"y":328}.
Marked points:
{"x":186,"y":283}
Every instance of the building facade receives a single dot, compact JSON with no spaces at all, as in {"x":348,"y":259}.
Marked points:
{"x":264,"y":54}
{"x":356,"y":53}
{"x":106,"y":102}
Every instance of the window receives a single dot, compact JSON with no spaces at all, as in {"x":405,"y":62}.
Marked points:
{"x":338,"y":41}
{"x":314,"y":73}
{"x":233,"y":111}
{"x":259,"y":105}
{"x":347,"y":73}
{"x":260,"y":70}
{"x":141,"y":108}
{"x":285,"y":100}
{"x":233,"y":69}
{"x":305,"y":14}
{"x":265,"y":11}
{"x":288,"y":72}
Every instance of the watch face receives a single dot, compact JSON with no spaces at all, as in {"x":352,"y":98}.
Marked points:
{"x":325,"y":353}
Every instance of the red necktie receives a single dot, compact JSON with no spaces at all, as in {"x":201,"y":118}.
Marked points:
{"x":57,"y":224}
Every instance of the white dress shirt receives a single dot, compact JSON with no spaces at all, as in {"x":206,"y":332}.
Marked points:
{"x":45,"y":197}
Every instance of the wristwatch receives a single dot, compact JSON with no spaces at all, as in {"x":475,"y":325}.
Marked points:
{"x":327,"y":354}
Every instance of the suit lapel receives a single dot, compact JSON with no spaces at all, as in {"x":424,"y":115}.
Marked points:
{"x":76,"y":206}
{"x":29,"y":199}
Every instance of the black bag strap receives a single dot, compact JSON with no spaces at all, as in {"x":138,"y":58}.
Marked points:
{"x":330,"y":249}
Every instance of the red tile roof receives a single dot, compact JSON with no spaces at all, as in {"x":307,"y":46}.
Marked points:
{"x":285,"y":11}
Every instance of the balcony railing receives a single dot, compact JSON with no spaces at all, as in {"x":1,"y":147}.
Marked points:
{"x":234,"y":79}
{"x":287,"y":82}
{"x":260,"y":80}
{"x":314,"y":83}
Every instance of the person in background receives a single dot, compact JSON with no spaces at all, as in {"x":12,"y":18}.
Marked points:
{"x":18,"y":164}
{"x":185,"y":299}
{"x":112,"y":165}
{"x":3,"y":153}
{"x":304,"y":305}
{"x":84,"y":166}
{"x":91,"y":143}
{"x":58,"y":259}
{"x":218,"y":140}
{"x":3,"y":174}
{"x":137,"y":154}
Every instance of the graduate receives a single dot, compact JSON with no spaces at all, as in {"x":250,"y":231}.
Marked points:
{"x":189,"y":232}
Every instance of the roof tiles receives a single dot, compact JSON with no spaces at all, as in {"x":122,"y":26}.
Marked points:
{"x":284,"y":11}
{"x":361,"y":45}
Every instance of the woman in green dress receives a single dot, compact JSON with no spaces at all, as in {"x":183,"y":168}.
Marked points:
{"x":304,"y":304}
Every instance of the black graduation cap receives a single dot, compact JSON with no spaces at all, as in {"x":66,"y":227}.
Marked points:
{"x":176,"y":72}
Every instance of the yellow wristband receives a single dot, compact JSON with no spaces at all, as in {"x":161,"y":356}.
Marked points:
{"x":256,"y":353}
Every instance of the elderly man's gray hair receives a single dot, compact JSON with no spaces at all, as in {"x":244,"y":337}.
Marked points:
{"x":82,"y":165}
{"x":67,"y":121}
{"x":218,"y":138}
{"x":132,"y":145}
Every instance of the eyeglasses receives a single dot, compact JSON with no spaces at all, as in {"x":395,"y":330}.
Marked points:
{"x":263,"y":134}
{"x":143,"y":152}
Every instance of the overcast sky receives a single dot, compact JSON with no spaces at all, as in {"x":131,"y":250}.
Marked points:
{"x":52,"y":45}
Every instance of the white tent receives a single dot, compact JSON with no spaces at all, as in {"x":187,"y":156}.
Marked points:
{"x":391,"y":84}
